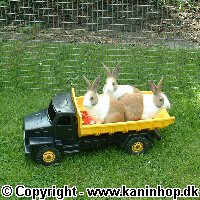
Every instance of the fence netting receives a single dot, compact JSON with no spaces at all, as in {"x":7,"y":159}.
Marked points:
{"x":46,"y":44}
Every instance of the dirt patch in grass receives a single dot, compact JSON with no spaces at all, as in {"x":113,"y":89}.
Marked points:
{"x":190,"y":21}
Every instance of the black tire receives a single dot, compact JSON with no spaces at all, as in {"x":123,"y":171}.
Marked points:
{"x":137,"y":145}
{"x":48,"y":155}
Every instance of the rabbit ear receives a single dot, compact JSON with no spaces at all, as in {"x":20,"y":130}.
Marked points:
{"x":154,"y":88}
{"x":115,"y":71}
{"x":95,"y":84}
{"x":108,"y":73}
{"x":89,"y":86}
{"x":160,"y":84}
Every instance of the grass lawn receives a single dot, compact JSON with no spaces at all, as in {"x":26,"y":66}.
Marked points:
{"x":172,"y":162}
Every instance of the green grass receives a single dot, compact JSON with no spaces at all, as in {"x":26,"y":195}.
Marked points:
{"x":48,"y":65}
{"x":171,"y":162}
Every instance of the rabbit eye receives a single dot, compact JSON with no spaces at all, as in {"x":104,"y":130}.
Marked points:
{"x":113,"y":84}
{"x":91,"y":98}
{"x":161,"y":99}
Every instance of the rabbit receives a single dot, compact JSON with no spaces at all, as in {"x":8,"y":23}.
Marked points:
{"x":102,"y":108}
{"x":112,"y":88}
{"x":140,"y":106}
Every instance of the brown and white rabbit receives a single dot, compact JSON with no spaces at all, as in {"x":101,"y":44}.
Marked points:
{"x":145,"y":106}
{"x":102,"y":108}
{"x":112,"y":88}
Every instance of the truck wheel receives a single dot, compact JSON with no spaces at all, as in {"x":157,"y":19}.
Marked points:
{"x":48,"y":155}
{"x":137,"y":145}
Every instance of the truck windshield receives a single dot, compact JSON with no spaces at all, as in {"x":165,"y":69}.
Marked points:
{"x":51,"y":112}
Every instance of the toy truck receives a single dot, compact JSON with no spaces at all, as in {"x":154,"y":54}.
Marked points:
{"x":60,"y":129}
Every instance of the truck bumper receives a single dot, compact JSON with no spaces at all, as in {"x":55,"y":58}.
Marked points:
{"x":27,"y":149}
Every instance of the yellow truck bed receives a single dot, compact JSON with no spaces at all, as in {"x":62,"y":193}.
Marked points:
{"x":160,"y":121}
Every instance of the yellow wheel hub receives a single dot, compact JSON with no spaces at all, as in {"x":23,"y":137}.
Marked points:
{"x":49,"y":156}
{"x":138,"y":147}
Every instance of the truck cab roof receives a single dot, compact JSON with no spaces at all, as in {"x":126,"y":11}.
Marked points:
{"x":63,"y":103}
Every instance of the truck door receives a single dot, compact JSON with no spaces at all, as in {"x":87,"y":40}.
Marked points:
{"x":65,"y":128}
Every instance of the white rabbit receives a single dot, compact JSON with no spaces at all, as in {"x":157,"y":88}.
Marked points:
{"x":112,"y":88}
{"x":102,"y":108}
{"x":145,"y":106}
